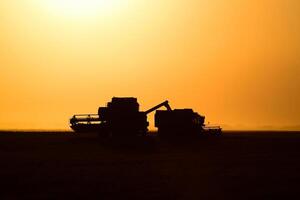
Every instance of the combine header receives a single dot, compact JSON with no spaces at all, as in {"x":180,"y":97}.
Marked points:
{"x":121,"y":117}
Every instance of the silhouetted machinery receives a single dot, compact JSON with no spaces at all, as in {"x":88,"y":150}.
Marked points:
{"x":178,"y":122}
{"x":121,"y":117}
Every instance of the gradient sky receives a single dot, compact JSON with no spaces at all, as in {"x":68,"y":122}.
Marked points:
{"x":236,"y":62}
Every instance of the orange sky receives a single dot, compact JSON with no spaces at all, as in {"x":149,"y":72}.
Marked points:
{"x":236,"y":62}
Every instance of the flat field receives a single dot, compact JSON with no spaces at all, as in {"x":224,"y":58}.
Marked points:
{"x":237,"y":165}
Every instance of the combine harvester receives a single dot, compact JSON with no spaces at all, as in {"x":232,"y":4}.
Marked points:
{"x":122,"y":118}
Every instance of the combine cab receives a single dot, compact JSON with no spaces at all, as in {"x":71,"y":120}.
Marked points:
{"x":122,"y":117}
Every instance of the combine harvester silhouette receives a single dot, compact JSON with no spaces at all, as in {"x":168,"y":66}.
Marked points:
{"x":122,"y":118}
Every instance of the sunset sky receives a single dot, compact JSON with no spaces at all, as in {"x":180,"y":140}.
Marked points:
{"x":235,"y":61}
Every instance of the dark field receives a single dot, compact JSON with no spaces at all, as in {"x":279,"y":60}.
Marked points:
{"x":238,"y":165}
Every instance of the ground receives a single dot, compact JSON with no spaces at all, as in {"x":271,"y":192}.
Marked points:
{"x":237,"y":165}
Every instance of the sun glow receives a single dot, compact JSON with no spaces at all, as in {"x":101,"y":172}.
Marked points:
{"x":83,"y":8}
